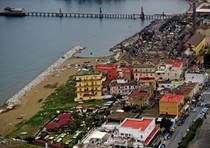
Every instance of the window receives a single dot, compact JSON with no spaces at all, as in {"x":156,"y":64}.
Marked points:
{"x":141,"y":136}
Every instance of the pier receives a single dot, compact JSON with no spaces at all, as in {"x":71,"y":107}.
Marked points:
{"x":99,"y":15}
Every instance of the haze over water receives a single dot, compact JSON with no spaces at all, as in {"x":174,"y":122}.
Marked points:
{"x":28,"y":45}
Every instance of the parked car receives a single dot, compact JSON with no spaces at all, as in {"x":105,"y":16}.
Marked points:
{"x":162,"y":145}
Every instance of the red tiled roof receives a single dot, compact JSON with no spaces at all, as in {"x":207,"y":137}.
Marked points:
{"x":171,"y":98}
{"x":106,"y":67}
{"x":137,"y":92}
{"x":126,"y":70}
{"x":151,"y":135}
{"x":169,"y":62}
{"x":64,"y":116}
{"x":177,"y":63}
{"x":52,"y":145}
{"x":140,"y":124}
{"x":52,"y":125}
{"x":63,"y":120}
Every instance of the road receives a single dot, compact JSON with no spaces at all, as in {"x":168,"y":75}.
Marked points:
{"x":182,"y":130}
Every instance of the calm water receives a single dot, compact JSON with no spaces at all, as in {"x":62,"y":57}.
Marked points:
{"x":28,"y":45}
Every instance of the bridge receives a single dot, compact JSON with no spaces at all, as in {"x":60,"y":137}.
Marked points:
{"x":89,"y":15}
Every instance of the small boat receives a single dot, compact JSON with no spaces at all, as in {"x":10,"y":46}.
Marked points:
{"x":14,"y":10}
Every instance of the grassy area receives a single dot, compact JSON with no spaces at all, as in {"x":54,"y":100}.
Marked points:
{"x":17,"y":144}
{"x":151,"y":111}
{"x":61,"y":99}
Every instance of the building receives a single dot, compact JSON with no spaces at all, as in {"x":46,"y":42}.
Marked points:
{"x":141,"y":130}
{"x":189,"y":90}
{"x":122,"y":87}
{"x":171,"y":104}
{"x":60,"y":120}
{"x":172,"y":70}
{"x":169,"y":84}
{"x":147,"y":81}
{"x":197,"y":43}
{"x":203,"y":9}
{"x":110,"y":71}
{"x":88,"y":85}
{"x":146,"y":69}
{"x":196,"y":76}
{"x":141,"y":96}
{"x":204,"y":30}
{"x":126,"y":72}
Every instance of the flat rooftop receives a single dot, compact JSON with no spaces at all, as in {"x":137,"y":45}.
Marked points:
{"x":140,"y":124}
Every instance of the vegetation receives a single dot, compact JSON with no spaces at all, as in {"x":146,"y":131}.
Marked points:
{"x":191,"y":133}
{"x":112,"y":61}
{"x":54,"y":85}
{"x":40,"y":100}
{"x":62,"y":99}
{"x":166,"y":123}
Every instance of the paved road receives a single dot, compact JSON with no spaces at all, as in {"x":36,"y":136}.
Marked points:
{"x":182,"y":130}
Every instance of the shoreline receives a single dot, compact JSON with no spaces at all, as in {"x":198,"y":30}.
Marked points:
{"x":16,"y":98}
{"x":28,"y":100}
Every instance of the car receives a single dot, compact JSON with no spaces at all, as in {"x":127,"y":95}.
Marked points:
{"x":169,"y":136}
{"x":195,"y":109}
{"x":162,"y":145}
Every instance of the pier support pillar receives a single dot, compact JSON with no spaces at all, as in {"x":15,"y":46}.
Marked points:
{"x":142,"y":13}
{"x":100,"y":13}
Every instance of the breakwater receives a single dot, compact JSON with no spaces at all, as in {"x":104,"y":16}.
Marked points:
{"x":14,"y":100}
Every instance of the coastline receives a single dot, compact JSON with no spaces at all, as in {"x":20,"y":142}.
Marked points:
{"x":30,"y":104}
{"x":16,"y":98}
{"x":29,"y":95}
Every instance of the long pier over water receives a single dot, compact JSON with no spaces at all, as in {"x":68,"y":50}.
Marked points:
{"x":89,"y":15}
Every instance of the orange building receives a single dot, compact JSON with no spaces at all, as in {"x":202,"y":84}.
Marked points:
{"x":171,"y":104}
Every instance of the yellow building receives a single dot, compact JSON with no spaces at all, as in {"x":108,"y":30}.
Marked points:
{"x":171,"y":104}
{"x":197,"y":42}
{"x":147,"y":69}
{"x":147,"y":81}
{"x":88,"y":85}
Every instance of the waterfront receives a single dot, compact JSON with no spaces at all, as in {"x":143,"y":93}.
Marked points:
{"x":30,"y":45}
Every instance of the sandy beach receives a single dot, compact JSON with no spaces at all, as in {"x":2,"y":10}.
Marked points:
{"x":29,"y":105}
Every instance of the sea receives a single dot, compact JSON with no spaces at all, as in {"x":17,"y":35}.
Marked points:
{"x":29,"y":45}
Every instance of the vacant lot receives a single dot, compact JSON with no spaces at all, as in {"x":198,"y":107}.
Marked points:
{"x":201,"y":139}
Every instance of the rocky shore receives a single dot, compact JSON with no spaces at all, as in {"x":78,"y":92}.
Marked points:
{"x":14,"y":100}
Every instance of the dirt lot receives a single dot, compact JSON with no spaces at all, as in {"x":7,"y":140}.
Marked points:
{"x":202,"y":138}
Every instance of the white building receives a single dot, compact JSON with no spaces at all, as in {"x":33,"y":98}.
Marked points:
{"x":142,"y":130}
{"x":122,"y":87}
{"x":170,"y":71}
{"x":196,"y":76}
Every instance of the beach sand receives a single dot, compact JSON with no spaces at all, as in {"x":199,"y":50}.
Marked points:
{"x":29,"y":104}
